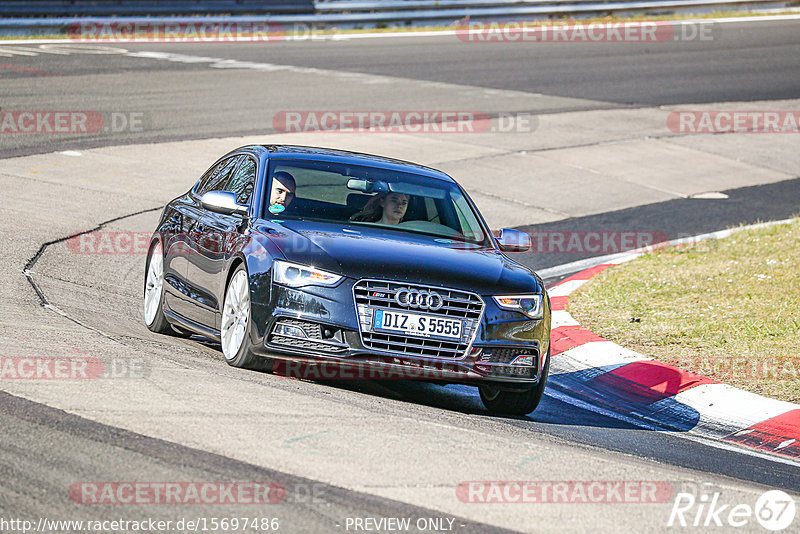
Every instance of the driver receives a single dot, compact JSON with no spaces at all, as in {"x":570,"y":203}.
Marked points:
{"x":282,"y":193}
{"x":384,"y":208}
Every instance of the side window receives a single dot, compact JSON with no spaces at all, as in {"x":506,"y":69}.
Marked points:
{"x":217,"y":178}
{"x":431,"y":213}
{"x":202,"y":184}
{"x":466,"y":219}
{"x":243,"y":180}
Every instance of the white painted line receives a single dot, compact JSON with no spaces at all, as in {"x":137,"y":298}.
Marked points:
{"x":9,"y":51}
{"x":602,"y":354}
{"x":425,"y":33}
{"x":643,"y":423}
{"x":563,"y":290}
{"x":221,"y":63}
{"x":622,"y":257}
{"x":562,"y":318}
{"x":33,"y":41}
{"x":710,"y":195}
{"x":725,"y":409}
{"x":735,"y":20}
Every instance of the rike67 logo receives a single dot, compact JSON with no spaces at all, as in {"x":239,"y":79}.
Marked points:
{"x":774,"y":510}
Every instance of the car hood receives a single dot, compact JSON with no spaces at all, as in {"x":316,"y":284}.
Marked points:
{"x":368,"y":252}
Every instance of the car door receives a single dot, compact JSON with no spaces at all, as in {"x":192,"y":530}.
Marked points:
{"x":175,"y":246}
{"x":191,"y":298}
{"x":214,"y":233}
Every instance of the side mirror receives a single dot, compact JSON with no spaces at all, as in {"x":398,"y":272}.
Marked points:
{"x":513,"y":240}
{"x":222,"y":202}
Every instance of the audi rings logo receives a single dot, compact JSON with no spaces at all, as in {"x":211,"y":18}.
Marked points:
{"x":413,"y":298}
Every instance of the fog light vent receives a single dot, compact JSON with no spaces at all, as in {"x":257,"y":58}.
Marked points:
{"x":282,"y":329}
{"x":509,"y":362}
{"x":306,"y":335}
{"x":524,"y":359}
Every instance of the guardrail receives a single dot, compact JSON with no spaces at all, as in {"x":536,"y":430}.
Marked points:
{"x":107,"y":8}
{"x":426,"y":11}
{"x":48,"y":16}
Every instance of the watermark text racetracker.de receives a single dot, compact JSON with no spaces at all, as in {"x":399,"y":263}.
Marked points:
{"x":527,"y":32}
{"x":211,"y":30}
{"x":225,"y":30}
{"x":755,"y":368}
{"x":542,"y":242}
{"x":148,"y":524}
{"x":315,"y":370}
{"x":72,"y":368}
{"x":564,"y":492}
{"x":206,"y":492}
{"x":171,"y":493}
{"x":425,"y":121}
{"x":593,"y":242}
{"x":734,"y":121}
{"x":70,"y":122}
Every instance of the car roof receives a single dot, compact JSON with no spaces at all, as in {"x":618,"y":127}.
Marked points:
{"x":345,"y":156}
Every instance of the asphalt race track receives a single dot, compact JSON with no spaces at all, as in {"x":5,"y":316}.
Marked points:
{"x":595,"y":155}
{"x":742,"y":62}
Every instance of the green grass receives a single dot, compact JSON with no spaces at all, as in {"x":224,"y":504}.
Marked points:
{"x":727,"y":309}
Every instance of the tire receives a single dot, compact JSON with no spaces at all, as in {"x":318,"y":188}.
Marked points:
{"x":236,"y":326}
{"x":154,"y":317}
{"x":506,"y":402}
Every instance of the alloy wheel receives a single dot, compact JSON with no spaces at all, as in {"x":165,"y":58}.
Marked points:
{"x":235,"y":315}
{"x":154,"y":284}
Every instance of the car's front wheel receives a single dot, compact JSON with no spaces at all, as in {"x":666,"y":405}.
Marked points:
{"x":236,"y":324}
{"x":498,"y":400}
{"x":154,"y":291}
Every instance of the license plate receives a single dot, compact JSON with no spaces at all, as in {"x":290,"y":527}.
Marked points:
{"x":414,"y":324}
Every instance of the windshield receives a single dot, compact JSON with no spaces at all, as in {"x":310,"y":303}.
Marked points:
{"x":360,"y":195}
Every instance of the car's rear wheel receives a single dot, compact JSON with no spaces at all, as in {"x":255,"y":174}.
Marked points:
{"x":498,"y":400}
{"x":154,"y":291}
{"x":236,"y":325}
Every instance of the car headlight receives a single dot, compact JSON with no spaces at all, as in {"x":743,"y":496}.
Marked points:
{"x":530,"y":305}
{"x":296,"y":275}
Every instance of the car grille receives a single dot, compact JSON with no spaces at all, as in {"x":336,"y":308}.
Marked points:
{"x":371,"y":294}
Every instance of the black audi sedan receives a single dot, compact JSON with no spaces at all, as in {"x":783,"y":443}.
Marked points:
{"x":292,"y":255}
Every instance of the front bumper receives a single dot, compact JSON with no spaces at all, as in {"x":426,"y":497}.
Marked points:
{"x":314,"y":332}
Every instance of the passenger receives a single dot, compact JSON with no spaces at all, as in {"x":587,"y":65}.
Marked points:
{"x":282,"y":194}
{"x":384,"y":208}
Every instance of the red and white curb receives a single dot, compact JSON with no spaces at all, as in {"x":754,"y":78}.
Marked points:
{"x":599,"y":373}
